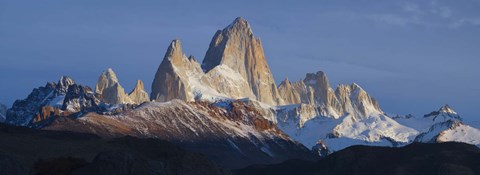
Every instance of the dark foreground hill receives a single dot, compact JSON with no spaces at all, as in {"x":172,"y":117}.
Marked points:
{"x":417,"y":158}
{"x":27,"y":151}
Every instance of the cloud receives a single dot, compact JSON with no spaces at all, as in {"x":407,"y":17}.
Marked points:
{"x":464,"y":22}
{"x":440,"y":10}
{"x":394,"y":19}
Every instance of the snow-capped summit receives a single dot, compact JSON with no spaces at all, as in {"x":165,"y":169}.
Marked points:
{"x":450,"y":131}
{"x":336,"y":118}
{"x":443,"y":114}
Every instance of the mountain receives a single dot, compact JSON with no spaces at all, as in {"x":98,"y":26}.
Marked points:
{"x":3,"y":112}
{"x":109,"y":90}
{"x":230,"y":109}
{"x":63,"y":98}
{"x":26,"y":151}
{"x":335,"y":119}
{"x":234,"y":67}
{"x":234,"y":134}
{"x":417,"y":158}
{"x":237,"y":48}
{"x":445,"y":125}
{"x":443,"y":114}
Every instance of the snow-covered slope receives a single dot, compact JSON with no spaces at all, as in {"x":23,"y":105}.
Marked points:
{"x":336,"y":118}
{"x":336,"y":134}
{"x":446,"y":126}
{"x":451,"y":131}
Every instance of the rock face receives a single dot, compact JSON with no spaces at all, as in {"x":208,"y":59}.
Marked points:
{"x":109,"y":90}
{"x":171,"y":79}
{"x":179,"y":77}
{"x":236,"y":48}
{"x":138,"y":94}
{"x":234,"y":67}
{"x":296,"y":92}
{"x":315,"y":89}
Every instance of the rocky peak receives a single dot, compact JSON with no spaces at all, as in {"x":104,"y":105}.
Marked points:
{"x":324,"y":94}
{"x":236,"y":48}
{"x":170,"y":80}
{"x":107,"y":79}
{"x":138,"y":94}
{"x":239,"y":26}
{"x":109,"y":90}
{"x":447,"y":109}
{"x":80,"y":98}
{"x":285,"y":83}
{"x":174,"y":53}
{"x":62,"y":85}
{"x":443,"y":114}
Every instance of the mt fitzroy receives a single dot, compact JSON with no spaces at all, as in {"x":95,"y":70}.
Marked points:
{"x":230,"y":109}
{"x":234,"y":67}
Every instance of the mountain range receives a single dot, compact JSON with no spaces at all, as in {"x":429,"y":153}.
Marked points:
{"x":230,"y":109}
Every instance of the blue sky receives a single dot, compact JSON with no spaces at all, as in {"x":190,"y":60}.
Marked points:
{"x":413,"y":56}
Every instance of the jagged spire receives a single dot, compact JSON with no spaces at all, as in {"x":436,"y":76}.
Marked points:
{"x":138,"y":94}
{"x":109,"y":90}
{"x":237,"y":48}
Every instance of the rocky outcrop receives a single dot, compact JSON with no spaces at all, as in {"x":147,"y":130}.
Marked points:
{"x":138,"y":94}
{"x":236,"y":48}
{"x":109,"y":90}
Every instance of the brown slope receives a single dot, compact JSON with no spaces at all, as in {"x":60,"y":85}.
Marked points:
{"x":234,"y":136}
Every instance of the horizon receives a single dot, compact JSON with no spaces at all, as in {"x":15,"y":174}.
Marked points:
{"x":373,"y":49}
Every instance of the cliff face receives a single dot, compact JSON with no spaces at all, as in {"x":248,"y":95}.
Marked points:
{"x":236,"y":48}
{"x":172,"y":78}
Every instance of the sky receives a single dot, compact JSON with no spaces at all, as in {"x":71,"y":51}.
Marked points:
{"x":413,"y":56}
